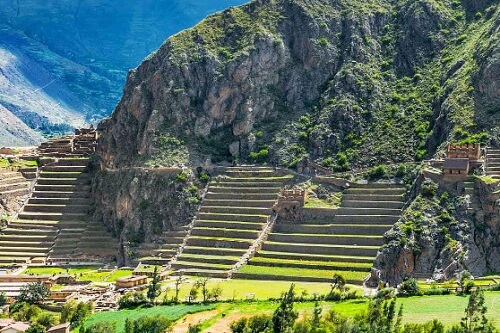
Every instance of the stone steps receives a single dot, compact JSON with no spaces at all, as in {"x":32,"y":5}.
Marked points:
{"x":13,"y":187}
{"x":368,"y":211}
{"x":239,"y":203}
{"x":217,"y":242}
{"x":16,"y":179}
{"x":236,"y":210}
{"x":372,"y":204}
{"x":375,"y":191}
{"x":59,"y":194}
{"x":14,"y":193}
{"x":60,"y":201}
{"x":323,"y":265}
{"x":229,"y":225}
{"x":240,"y":196}
{"x":62,"y":188}
{"x":217,"y":274}
{"x":200,"y":250}
{"x":42,"y":208}
{"x":52,"y":216}
{"x":233,"y":217}
{"x":225,"y":233}
{"x":226,"y":260}
{"x":366,"y":219}
{"x":14,"y":260}
{"x":63,"y":169}
{"x":348,"y":250}
{"x":354,"y":240}
{"x":63,"y":181}
{"x":40,"y":251}
{"x":315,"y":257}
{"x":51,"y":224}
{"x":371,"y":197}
{"x":245,"y":190}
{"x":196,"y":265}
{"x":333,"y":229}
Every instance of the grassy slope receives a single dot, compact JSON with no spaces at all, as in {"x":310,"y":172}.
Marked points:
{"x":171,"y":312}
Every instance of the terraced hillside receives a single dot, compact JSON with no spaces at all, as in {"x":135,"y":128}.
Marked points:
{"x":492,"y":162}
{"x":346,"y":244}
{"x":235,"y":211}
{"x":12,"y":184}
{"x":54,"y":223}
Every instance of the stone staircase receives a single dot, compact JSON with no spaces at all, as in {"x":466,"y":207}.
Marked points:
{"x":13,"y":184}
{"x":346,"y":244}
{"x":235,"y":211}
{"x":492,"y":162}
{"x":54,"y":224}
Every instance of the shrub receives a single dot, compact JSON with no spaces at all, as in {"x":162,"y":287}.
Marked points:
{"x":204,"y":177}
{"x":429,"y":190}
{"x":323,"y":41}
{"x":409,"y":287}
{"x":181,"y":177}
{"x":377,"y":172}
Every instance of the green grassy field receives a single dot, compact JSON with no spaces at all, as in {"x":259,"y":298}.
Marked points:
{"x":235,"y":289}
{"x":171,"y":312}
{"x":448,"y":309}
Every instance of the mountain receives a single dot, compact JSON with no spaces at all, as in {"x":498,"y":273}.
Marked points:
{"x":346,"y":83}
{"x":64,"y":62}
{"x":15,"y":133}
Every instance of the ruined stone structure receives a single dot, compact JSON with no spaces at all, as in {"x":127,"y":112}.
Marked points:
{"x":469,"y":151}
{"x":290,"y":203}
{"x":459,"y":160}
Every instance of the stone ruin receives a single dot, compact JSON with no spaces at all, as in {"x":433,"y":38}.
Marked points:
{"x":290,"y":203}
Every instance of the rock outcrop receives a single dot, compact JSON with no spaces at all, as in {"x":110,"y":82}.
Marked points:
{"x":282,"y":79}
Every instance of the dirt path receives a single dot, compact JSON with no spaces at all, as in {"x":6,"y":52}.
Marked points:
{"x":182,"y":325}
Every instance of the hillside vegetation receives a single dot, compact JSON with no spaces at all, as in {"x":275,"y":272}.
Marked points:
{"x":349,"y":83}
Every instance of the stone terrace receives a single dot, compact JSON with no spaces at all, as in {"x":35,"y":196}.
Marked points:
{"x":492,"y":162}
{"x":347,"y":243}
{"x":54,"y":224}
{"x":236,"y":209}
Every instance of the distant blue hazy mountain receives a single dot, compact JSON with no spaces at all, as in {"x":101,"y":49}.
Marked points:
{"x":73,"y":55}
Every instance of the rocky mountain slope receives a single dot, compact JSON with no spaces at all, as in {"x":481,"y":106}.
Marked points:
{"x":347,"y":84}
{"x":343,"y":81}
{"x":64,"y":62}
{"x":14,"y":132}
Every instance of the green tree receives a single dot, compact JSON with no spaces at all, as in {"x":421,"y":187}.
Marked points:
{"x":82,"y":311}
{"x":36,"y":329}
{"x":33,"y":293}
{"x":284,"y":316}
{"x":47,"y":319}
{"x":145,"y":324}
{"x":3,"y":299}
{"x":409,"y":287}
{"x":154,"y":287}
{"x":475,"y":314}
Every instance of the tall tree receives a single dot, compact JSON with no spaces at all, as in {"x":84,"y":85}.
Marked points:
{"x":475,"y":314}
{"x":33,"y":293}
{"x":284,"y":316}
{"x":154,"y":287}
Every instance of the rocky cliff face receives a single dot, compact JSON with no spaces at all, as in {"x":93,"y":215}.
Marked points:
{"x":137,"y":205}
{"x":376,"y":81}
{"x":443,"y":232}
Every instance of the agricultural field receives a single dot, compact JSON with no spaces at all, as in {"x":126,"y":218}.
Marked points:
{"x":449,"y":309}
